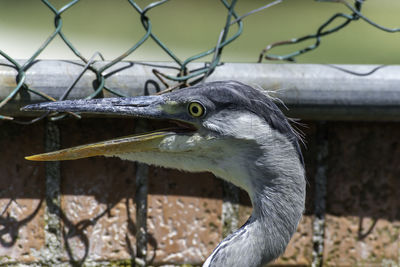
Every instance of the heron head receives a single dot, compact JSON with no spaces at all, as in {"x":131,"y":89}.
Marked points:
{"x":217,"y":127}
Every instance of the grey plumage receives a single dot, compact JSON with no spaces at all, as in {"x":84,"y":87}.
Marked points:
{"x":233,"y":95}
{"x":233,"y":131}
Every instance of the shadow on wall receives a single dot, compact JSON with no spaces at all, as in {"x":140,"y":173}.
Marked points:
{"x":98,"y":213}
{"x":96,"y":203}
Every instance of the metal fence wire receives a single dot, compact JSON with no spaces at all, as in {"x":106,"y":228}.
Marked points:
{"x":184,"y":75}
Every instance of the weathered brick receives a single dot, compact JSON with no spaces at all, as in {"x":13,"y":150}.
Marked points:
{"x":362,"y":224}
{"x":21,"y":192}
{"x":363,"y":221}
{"x":184,"y":216}
{"x":99,"y":213}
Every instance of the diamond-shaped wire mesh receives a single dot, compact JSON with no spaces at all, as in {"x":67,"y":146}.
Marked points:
{"x":184,"y":75}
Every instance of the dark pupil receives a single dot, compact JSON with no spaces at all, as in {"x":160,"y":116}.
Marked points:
{"x":195,"y":110}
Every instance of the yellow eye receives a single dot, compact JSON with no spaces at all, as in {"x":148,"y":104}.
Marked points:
{"x":196,"y":109}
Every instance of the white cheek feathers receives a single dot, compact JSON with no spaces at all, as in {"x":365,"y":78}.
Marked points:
{"x":247,"y":125}
{"x":181,"y":143}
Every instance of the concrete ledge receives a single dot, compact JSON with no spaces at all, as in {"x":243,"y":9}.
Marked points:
{"x":310,"y":91}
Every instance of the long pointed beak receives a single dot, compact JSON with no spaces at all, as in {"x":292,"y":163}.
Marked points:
{"x":141,"y":106}
{"x":146,"y":106}
{"x":128,"y":144}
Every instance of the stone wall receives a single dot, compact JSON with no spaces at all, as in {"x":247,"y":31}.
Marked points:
{"x":84,"y":211}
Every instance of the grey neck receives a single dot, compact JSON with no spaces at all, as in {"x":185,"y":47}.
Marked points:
{"x":278,"y":201}
{"x":277,"y":210}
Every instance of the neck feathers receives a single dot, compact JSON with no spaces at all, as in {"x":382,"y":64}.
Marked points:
{"x":265,"y":235}
{"x":277,"y":192}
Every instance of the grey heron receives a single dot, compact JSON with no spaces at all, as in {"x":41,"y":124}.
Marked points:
{"x":227,"y":128}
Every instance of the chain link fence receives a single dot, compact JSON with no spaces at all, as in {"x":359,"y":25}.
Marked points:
{"x":184,"y":75}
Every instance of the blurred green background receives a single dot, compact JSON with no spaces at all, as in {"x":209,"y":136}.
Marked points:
{"x":188,"y":27}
